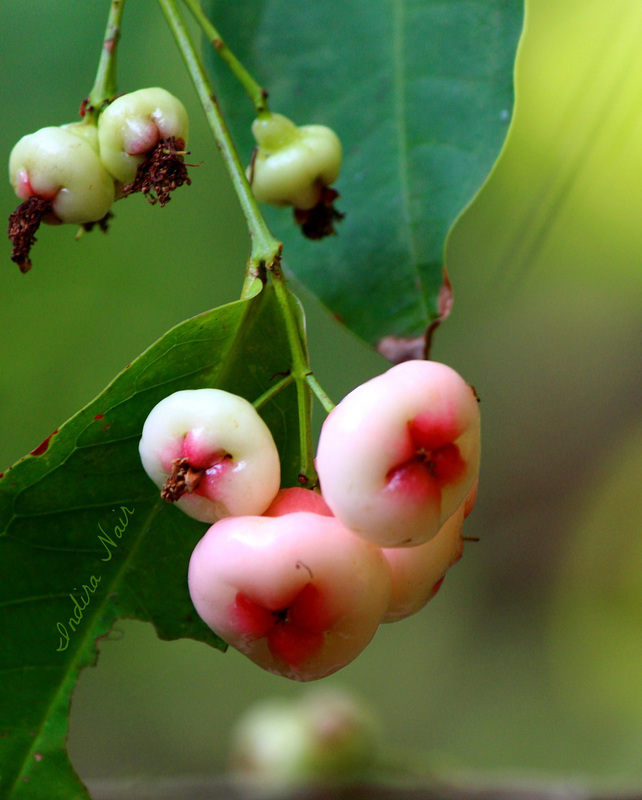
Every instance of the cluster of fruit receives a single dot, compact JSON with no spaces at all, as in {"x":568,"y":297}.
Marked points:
{"x":298,"y":580}
{"x":74,"y":173}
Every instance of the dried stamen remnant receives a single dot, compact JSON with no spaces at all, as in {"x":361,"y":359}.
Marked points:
{"x":23,"y":224}
{"x":103,"y":224}
{"x":184,"y":478}
{"x":162,"y":171}
{"x":319,"y":222}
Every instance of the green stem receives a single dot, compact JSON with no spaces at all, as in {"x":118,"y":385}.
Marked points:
{"x":286,"y":380}
{"x":265,"y":248}
{"x":104,"y":87}
{"x":320,"y":393}
{"x":254,"y":90}
{"x":265,"y":255}
{"x":300,"y":369}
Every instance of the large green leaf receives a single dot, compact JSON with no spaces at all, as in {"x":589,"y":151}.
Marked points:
{"x":83,"y":533}
{"x":420,"y":92}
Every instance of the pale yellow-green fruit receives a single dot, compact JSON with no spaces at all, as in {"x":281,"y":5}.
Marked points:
{"x":86,"y":131}
{"x":293,"y":165}
{"x":274,"y":131}
{"x":323,"y":734}
{"x":131,"y":127}
{"x":61,"y":165}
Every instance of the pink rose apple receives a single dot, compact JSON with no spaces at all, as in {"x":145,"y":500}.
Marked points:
{"x":471,"y":499}
{"x":400,"y":453}
{"x":416,"y":573}
{"x":297,"y":594}
{"x":296,"y":498}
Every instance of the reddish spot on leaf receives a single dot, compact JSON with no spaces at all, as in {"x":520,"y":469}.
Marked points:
{"x":445,"y":304}
{"x":42,"y":447}
{"x":99,"y":416}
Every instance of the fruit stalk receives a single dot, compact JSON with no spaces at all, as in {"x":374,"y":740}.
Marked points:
{"x":104,"y":88}
{"x":265,"y":254}
{"x":254,"y":90}
{"x":319,"y":392}
{"x":266,"y":248}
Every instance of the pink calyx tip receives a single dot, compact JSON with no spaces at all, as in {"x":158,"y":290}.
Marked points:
{"x":294,"y":634}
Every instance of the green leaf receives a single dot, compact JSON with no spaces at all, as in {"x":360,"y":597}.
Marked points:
{"x":420,"y":93}
{"x":85,"y":539}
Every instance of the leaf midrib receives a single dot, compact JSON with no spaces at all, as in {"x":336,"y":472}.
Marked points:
{"x":83,"y":647}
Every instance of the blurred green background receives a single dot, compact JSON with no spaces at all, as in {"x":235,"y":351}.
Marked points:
{"x":530,"y":657}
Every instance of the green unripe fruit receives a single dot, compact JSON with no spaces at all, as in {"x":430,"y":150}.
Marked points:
{"x":327,"y":734}
{"x":60,"y":164}
{"x":133,"y":125}
{"x":293,"y":165}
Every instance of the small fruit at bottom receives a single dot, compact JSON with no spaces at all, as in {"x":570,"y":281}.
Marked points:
{"x":322,"y":734}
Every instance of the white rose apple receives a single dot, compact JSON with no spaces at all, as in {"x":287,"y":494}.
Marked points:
{"x":322,"y":734}
{"x":211,"y":453}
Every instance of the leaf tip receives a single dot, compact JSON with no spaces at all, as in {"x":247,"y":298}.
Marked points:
{"x":397,"y":349}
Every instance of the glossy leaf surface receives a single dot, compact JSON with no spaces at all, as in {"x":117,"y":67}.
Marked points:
{"x":420,"y":93}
